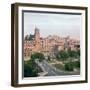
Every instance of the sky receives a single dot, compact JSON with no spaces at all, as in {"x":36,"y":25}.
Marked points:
{"x":52,"y":24}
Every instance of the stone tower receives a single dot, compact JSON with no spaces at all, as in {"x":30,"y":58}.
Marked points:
{"x":37,"y":34}
{"x":37,"y":40}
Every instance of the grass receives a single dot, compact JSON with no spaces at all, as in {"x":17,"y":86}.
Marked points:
{"x":59,"y":66}
{"x":51,"y":61}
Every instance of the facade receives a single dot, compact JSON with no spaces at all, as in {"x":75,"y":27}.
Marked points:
{"x":49,"y":45}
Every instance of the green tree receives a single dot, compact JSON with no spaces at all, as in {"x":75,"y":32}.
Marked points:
{"x":30,"y":69}
{"x":77,"y":64}
{"x":69,"y":66}
{"x":62,"y":55}
{"x":38,"y":56}
{"x":78,"y":52}
{"x":72,"y":53}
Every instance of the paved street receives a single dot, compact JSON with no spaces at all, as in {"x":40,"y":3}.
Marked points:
{"x":48,"y":68}
{"x":52,"y":71}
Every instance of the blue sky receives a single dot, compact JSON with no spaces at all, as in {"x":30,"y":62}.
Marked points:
{"x":52,"y":24}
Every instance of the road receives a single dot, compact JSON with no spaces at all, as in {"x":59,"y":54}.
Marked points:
{"x":48,"y":69}
{"x":52,"y":71}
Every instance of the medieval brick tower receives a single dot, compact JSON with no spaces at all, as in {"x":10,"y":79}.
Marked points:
{"x":37,"y":39}
{"x":37,"y":34}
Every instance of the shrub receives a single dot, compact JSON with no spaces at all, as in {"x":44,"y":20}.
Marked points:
{"x":29,"y":71}
{"x":69,"y":66}
{"x":77,"y":64}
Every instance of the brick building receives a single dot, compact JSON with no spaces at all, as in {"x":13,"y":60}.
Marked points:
{"x":49,"y":45}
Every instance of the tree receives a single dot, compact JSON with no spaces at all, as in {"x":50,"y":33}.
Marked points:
{"x":78,"y":52}
{"x":69,"y":66}
{"x":77,"y":64}
{"x":62,"y":55}
{"x":72,"y":53}
{"x":38,"y":56}
{"x":30,"y":69}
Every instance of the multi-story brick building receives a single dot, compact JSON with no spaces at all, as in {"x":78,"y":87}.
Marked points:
{"x":49,"y":45}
